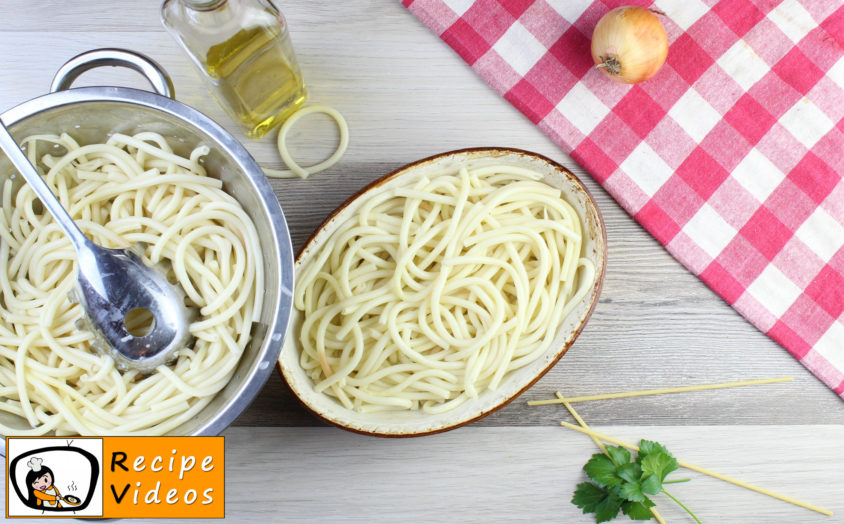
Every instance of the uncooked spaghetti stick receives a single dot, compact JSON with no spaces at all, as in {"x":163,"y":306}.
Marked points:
{"x":681,"y":389}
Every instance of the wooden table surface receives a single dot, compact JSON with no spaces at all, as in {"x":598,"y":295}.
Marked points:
{"x":407,"y":95}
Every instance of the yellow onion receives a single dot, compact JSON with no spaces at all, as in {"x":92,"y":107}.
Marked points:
{"x":629,"y":44}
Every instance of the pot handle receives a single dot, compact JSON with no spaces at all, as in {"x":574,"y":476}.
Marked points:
{"x":77,"y":65}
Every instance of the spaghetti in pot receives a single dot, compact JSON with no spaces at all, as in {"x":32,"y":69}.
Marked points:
{"x":435,"y":292}
{"x":131,"y":190}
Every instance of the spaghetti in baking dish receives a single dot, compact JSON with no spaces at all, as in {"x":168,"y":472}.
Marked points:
{"x":436,"y":291}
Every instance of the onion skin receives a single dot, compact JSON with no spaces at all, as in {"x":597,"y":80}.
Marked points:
{"x":629,"y":44}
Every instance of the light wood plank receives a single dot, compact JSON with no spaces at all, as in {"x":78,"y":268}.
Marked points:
{"x":524,"y":474}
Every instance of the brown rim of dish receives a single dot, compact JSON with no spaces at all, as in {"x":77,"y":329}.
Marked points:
{"x":593,"y":299}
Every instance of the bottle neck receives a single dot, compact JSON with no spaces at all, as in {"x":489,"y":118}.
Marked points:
{"x":203,"y":5}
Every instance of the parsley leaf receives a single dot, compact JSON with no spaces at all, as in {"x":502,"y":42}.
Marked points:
{"x":608,"y":508}
{"x":591,"y":498}
{"x":646,"y":447}
{"x":602,"y":470}
{"x":618,"y":454}
{"x":659,"y":464}
{"x":637,"y":510}
{"x":632,"y":491}
{"x":630,"y":472}
{"x":622,"y":485}
{"x":587,"y":496}
{"x":651,"y":485}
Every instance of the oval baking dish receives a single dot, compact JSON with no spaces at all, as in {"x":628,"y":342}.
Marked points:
{"x":400,"y":423}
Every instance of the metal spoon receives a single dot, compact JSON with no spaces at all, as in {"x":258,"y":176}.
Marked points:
{"x":113,"y":282}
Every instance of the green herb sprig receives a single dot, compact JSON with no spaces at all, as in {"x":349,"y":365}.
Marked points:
{"x":621,"y":484}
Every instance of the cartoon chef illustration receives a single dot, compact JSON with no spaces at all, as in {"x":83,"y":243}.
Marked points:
{"x":40,"y":483}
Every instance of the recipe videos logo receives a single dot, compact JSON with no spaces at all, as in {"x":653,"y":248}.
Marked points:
{"x":115,"y":477}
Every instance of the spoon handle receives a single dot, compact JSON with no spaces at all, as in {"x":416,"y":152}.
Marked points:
{"x":19,"y":160}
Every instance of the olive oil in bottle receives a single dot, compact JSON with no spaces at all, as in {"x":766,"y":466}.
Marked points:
{"x":244,"y":52}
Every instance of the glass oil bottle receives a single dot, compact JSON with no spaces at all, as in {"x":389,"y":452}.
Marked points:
{"x":243,"y":51}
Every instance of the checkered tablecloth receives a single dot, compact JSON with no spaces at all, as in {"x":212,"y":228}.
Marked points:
{"x":731,"y":156}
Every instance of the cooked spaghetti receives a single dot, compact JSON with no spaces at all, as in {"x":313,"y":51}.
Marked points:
{"x":127,"y":191}
{"x":434,"y":292}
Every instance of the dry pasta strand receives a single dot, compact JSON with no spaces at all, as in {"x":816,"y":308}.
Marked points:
{"x":663,"y":391}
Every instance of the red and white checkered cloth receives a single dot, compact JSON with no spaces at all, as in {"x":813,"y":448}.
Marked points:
{"x":731,"y":156}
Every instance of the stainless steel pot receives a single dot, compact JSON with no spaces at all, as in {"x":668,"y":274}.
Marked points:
{"x":90,"y":114}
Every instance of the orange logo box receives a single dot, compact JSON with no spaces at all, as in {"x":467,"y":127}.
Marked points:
{"x":115,"y":477}
{"x":172,"y":477}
